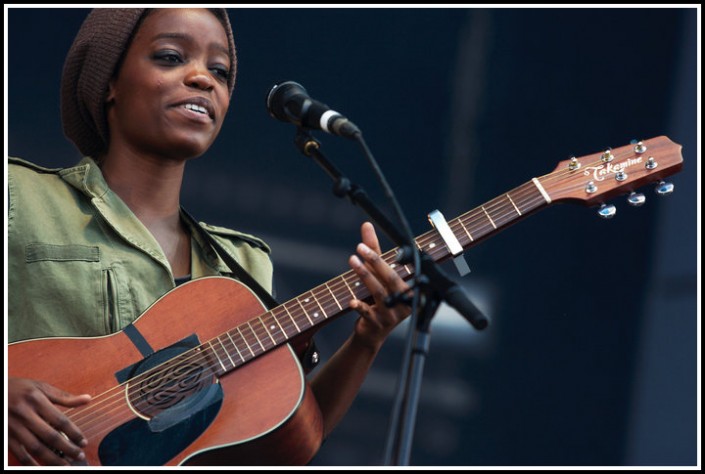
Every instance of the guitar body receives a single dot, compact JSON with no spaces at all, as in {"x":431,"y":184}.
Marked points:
{"x":261,"y":413}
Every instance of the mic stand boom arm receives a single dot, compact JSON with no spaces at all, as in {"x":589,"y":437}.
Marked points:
{"x":342,"y":187}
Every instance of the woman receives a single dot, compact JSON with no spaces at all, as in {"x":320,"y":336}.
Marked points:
{"x":91,"y":247}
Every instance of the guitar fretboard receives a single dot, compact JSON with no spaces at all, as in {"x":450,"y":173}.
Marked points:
{"x":296,"y":316}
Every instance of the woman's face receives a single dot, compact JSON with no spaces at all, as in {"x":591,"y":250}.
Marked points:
{"x":171,"y":93}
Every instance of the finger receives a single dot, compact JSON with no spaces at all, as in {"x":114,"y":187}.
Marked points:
{"x":60,"y":421}
{"x":363,"y":309}
{"x":369,"y":237}
{"x":382,"y":270}
{"x":47,"y":426}
{"x":62,"y":397}
{"x":30,"y":450}
{"x":376,"y":319}
{"x":44,"y":428}
{"x":57,"y":432}
{"x":368,"y":279}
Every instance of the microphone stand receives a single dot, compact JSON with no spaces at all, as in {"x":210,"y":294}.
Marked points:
{"x":431,"y":287}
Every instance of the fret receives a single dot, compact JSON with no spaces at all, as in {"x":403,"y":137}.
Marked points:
{"x":272,"y":327}
{"x":398,"y":269}
{"x":316,"y":315}
{"x":513,"y":204}
{"x":283,"y":319}
{"x":308,"y":318}
{"x":274,"y":343}
{"x":464,"y":228}
{"x":531,"y":197}
{"x":298,"y":329}
{"x":232,"y":362}
{"x":287,"y":321}
{"x":356,"y":285}
{"x":305,"y":311}
{"x":488,"y":217}
{"x":503,"y":211}
{"x":328,"y":306}
{"x":254,"y":333}
{"x":352,"y":293}
{"x":216,"y":356}
{"x":309,"y":301}
{"x":421,"y":243}
{"x":245,"y":341}
{"x":235,"y":346}
{"x":334,"y":298}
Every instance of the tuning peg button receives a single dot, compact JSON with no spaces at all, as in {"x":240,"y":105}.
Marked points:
{"x":636,"y":199}
{"x":664,"y":189}
{"x":607,"y":211}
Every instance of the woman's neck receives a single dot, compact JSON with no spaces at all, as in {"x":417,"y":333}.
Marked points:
{"x":149,"y":186}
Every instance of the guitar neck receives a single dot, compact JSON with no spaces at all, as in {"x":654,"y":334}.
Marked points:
{"x":590,"y":180}
{"x":332,"y":298}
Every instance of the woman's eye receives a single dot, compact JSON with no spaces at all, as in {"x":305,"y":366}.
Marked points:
{"x":220,"y":71}
{"x":168,"y":57}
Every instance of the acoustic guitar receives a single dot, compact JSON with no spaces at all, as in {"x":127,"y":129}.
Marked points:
{"x":207,"y":375}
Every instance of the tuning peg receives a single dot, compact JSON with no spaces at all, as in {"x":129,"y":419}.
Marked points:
{"x":639,"y":147}
{"x":664,"y":189}
{"x":636,"y":199}
{"x":607,"y":211}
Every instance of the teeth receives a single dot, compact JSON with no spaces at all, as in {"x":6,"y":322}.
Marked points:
{"x":196,"y":108}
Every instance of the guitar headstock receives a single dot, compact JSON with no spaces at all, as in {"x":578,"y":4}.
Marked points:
{"x":593,"y":179}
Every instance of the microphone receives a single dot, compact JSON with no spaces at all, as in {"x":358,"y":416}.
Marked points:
{"x":289,"y":102}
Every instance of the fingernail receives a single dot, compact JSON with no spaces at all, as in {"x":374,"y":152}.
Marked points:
{"x":355,"y":261}
{"x":81,"y":456}
{"x":83,"y":442}
{"x":362,"y":248}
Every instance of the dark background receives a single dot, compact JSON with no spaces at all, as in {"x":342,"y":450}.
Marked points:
{"x":592,"y":354}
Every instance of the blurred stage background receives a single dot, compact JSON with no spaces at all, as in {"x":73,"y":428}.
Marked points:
{"x":592,"y":354}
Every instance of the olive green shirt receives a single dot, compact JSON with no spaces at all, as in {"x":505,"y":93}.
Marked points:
{"x":80,"y":263}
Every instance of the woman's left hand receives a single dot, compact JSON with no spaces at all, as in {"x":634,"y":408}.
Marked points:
{"x":377,"y":320}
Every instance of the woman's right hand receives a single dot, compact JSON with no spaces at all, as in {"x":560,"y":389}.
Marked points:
{"x":38,"y":432}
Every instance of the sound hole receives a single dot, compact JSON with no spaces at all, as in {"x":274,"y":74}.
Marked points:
{"x":170,"y":383}
{"x":175,"y":393}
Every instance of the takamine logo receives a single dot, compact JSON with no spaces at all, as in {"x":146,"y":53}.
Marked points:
{"x":599,"y":173}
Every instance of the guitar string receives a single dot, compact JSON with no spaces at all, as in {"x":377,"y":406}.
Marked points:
{"x":89,"y":410}
{"x":491,"y":206}
{"x":325,"y":303}
{"x":548,"y":179}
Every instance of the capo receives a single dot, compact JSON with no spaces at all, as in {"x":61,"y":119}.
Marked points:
{"x":439,"y":222}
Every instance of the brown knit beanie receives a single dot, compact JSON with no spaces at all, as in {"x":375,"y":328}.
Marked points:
{"x":92,"y":61}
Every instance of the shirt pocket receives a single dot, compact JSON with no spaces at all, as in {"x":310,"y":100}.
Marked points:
{"x":72,"y":293}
